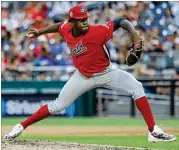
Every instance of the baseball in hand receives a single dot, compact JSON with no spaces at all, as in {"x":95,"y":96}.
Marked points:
{"x":30,"y":35}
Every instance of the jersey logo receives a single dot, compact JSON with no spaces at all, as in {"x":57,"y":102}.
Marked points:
{"x":82,"y":10}
{"x":78,"y":50}
{"x":106,"y":25}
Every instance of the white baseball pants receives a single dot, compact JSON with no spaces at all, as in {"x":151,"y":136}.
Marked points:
{"x":111,"y":78}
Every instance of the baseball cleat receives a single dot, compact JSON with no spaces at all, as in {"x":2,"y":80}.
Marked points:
{"x":16,"y":131}
{"x":157,"y":135}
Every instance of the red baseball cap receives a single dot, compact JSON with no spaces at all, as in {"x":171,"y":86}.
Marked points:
{"x":78,"y":12}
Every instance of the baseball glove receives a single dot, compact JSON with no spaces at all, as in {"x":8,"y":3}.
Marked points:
{"x":136,"y":49}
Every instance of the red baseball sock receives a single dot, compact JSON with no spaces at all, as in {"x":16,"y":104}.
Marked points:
{"x":144,"y":107}
{"x":37,"y":116}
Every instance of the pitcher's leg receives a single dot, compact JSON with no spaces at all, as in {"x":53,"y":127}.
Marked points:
{"x":121,"y":80}
{"x":77,"y":85}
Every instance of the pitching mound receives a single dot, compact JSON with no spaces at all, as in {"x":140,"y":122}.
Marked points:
{"x":53,"y":145}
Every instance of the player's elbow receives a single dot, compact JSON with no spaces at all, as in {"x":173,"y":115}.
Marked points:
{"x":117,"y":22}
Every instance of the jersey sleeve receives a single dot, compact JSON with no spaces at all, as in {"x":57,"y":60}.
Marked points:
{"x":61,"y":28}
{"x":106,"y":31}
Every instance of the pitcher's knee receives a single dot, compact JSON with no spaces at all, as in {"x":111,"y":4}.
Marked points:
{"x":138,"y":91}
{"x":55,"y":107}
{"x":139,"y":85}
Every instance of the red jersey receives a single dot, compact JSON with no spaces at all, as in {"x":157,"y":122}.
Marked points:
{"x":89,"y":52}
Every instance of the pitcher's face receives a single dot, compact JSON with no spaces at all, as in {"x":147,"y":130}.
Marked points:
{"x":81,"y":25}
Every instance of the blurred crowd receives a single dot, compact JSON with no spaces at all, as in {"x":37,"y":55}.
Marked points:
{"x":157,"y":22}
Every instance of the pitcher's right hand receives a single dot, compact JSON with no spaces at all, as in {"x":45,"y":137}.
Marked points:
{"x":32,"y":33}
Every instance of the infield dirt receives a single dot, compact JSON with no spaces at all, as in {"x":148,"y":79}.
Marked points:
{"x":52,"y":145}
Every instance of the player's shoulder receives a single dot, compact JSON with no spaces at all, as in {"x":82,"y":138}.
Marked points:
{"x":96,"y":26}
{"x":105,"y":25}
{"x":65,"y":25}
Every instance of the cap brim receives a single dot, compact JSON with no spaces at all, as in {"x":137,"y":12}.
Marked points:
{"x":78,"y":18}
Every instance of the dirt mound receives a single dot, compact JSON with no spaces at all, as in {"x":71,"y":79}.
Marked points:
{"x":53,"y":145}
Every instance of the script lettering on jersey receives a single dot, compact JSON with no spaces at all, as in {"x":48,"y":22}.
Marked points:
{"x":78,"y":50}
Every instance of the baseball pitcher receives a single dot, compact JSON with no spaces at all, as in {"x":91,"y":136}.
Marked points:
{"x":91,"y":58}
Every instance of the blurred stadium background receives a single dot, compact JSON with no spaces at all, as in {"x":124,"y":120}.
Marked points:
{"x":33,"y":71}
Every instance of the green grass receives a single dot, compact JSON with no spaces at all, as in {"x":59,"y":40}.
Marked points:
{"x":59,"y":121}
{"x":130,"y":141}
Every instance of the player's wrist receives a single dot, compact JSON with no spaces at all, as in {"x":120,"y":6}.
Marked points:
{"x":136,"y":36}
{"x":134,"y":32}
